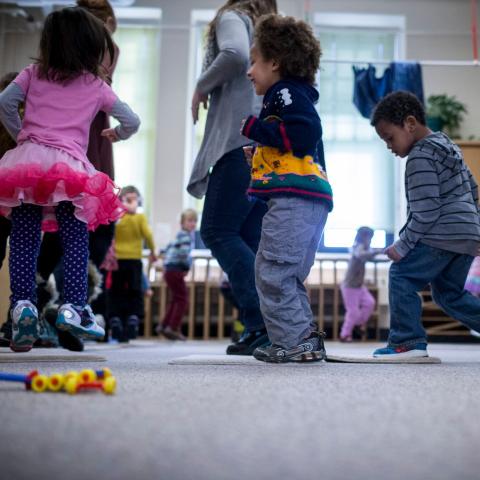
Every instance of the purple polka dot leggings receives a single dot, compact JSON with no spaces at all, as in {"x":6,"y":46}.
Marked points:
{"x":25,"y":246}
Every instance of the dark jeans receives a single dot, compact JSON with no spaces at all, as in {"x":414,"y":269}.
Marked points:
{"x":231,"y":226}
{"x":175,"y":279}
{"x":99,"y":243}
{"x":125,"y":297}
{"x":446,"y":272}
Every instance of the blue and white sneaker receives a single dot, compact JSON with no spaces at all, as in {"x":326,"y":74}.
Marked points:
{"x":79,"y":321}
{"x":25,"y":329}
{"x":403,"y":351}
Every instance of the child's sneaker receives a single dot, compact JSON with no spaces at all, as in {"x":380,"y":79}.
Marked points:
{"x":248,"y":342}
{"x":403,"y":351}
{"x":309,"y":350}
{"x":80,"y":322}
{"x":24,"y":326}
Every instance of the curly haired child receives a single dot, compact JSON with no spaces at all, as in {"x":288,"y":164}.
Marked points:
{"x":288,"y":172}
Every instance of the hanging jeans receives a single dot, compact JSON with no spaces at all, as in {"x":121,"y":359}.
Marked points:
{"x":369,"y":89}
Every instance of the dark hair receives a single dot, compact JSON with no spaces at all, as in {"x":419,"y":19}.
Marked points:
{"x":73,"y":42}
{"x":99,"y":8}
{"x":129,"y":189}
{"x":291,"y":43}
{"x":396,"y":107}
{"x":253,"y":8}
{"x":363,"y":232}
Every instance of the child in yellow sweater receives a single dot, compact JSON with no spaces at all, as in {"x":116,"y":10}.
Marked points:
{"x":125,"y":300}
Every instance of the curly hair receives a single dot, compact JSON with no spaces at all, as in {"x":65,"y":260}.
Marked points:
{"x":396,"y":107}
{"x":291,"y":43}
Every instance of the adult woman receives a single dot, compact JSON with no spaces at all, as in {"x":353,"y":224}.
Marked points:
{"x":231,"y":222}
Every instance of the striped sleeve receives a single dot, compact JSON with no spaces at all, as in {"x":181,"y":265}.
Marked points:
{"x":183,"y":246}
{"x":423,"y":194}
{"x":474,"y":187}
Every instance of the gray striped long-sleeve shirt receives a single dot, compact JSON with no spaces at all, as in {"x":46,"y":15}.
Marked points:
{"x":177,"y":255}
{"x":442,"y":199}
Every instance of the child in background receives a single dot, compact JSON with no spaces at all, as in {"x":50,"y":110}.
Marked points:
{"x":62,"y":92}
{"x":442,"y":234}
{"x":358,"y":301}
{"x":125,"y":297}
{"x":472,"y":285}
{"x":288,"y":171}
{"x":177,"y":264}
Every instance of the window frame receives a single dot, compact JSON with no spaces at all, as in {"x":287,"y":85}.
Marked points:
{"x":396,"y":24}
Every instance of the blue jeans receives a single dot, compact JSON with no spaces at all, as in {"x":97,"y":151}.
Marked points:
{"x":231,"y":226}
{"x":446,"y":273}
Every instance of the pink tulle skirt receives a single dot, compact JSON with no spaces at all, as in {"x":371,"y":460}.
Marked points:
{"x":34,"y":173}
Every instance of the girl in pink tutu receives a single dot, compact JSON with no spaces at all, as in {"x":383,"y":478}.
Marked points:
{"x":49,"y":172}
{"x":472,"y":283}
{"x":358,"y":301}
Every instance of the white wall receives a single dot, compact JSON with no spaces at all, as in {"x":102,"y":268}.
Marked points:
{"x":436,"y":29}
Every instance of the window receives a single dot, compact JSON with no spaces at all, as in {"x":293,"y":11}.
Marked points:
{"x":135,"y":81}
{"x":361,"y":170}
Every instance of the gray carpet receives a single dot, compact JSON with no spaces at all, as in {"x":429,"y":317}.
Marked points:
{"x":178,"y":422}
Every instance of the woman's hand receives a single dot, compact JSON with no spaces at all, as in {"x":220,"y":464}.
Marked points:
{"x":197,"y":99}
{"x":111,"y":134}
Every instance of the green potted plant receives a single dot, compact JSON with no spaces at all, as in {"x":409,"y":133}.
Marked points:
{"x":445,"y":113}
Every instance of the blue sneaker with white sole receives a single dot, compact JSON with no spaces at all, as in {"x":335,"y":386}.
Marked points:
{"x":79,"y":321}
{"x":402,"y":351}
{"x":25,"y":329}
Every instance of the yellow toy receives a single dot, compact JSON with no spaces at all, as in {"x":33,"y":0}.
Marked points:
{"x":71,"y":382}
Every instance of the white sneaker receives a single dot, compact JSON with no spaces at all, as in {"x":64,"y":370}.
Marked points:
{"x":80,"y":322}
{"x":24,"y":326}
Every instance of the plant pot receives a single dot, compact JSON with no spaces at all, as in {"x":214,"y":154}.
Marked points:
{"x":435,"y":124}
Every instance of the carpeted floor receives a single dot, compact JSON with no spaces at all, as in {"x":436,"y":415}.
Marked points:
{"x":209,"y":422}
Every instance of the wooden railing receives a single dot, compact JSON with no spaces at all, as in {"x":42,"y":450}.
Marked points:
{"x":204,"y":278}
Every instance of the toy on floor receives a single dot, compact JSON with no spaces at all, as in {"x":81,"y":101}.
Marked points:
{"x":70,"y":382}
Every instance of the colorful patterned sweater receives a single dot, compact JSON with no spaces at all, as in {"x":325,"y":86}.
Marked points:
{"x":289,"y":158}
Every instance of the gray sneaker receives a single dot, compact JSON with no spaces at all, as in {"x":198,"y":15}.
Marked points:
{"x":311,"y":349}
{"x":80,"y":322}
{"x":24,"y":326}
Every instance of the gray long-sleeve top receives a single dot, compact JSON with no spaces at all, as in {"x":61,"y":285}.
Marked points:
{"x":232,"y":97}
{"x":442,"y":199}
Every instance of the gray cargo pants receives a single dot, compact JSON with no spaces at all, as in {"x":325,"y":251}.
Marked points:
{"x":291,"y":231}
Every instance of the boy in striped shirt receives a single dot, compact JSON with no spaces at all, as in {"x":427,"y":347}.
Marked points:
{"x":442,"y":234}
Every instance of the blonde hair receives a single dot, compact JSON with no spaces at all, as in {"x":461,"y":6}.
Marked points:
{"x":188,"y":213}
